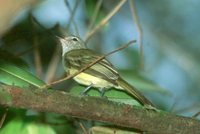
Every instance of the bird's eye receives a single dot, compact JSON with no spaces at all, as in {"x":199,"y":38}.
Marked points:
{"x":74,"y":39}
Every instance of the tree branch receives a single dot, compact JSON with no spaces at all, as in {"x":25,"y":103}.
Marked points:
{"x":72,"y":12}
{"x":105,"y":20}
{"x":139,"y":30}
{"x":106,"y":111}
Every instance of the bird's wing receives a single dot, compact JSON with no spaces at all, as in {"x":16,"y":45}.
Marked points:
{"x":79,"y":59}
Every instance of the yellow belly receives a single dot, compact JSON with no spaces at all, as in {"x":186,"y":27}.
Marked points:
{"x":87,"y":79}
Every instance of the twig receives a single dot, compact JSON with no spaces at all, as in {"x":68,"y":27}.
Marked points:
{"x":52,"y":66}
{"x":83,"y":128}
{"x":3,"y":118}
{"x":174,"y":104}
{"x":195,"y":115}
{"x":72,"y":12}
{"x":89,"y":65}
{"x":95,"y":14}
{"x":105,"y":20}
{"x":139,"y":30}
{"x":37,"y":58}
{"x":35,"y":21}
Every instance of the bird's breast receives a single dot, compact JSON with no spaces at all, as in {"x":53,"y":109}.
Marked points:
{"x":88,"y":79}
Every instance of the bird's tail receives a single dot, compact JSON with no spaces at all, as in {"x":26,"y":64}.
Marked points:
{"x":134,"y":92}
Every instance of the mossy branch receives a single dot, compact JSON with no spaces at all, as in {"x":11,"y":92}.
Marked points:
{"x":98,"y":109}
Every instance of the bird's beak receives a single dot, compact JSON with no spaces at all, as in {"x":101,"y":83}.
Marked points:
{"x":61,"y":39}
{"x":58,"y":37}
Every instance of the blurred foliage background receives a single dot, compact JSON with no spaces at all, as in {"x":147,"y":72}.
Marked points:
{"x":163,"y":63}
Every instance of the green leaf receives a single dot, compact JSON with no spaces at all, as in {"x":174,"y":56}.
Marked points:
{"x":112,"y":94}
{"x":13,"y":71}
{"x":63,"y":124}
{"x":91,"y":7}
{"x":13,"y":75}
{"x":10,"y":58}
{"x":19,"y":126}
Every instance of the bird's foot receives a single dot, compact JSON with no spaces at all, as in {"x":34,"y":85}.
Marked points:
{"x":150,"y":107}
{"x":102,"y":93}
{"x":84,"y":93}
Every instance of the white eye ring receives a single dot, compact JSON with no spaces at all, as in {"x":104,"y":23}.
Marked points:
{"x":74,"y":39}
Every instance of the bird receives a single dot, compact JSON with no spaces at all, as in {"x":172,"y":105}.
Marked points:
{"x":102,"y":75}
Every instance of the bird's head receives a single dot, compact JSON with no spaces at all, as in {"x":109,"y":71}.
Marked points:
{"x":71,"y":43}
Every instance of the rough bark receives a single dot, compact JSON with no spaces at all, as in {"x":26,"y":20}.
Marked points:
{"x":97,"y":109}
